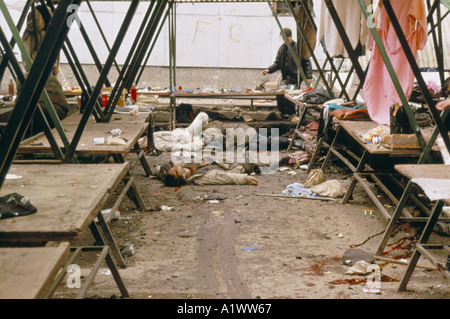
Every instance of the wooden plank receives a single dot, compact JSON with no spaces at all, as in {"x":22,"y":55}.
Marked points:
{"x":5,"y":113}
{"x":27,"y":273}
{"x":117,"y":118}
{"x":433,"y":171}
{"x":131,"y":132}
{"x":185,"y":94}
{"x":67,"y":196}
{"x":255,"y":124}
{"x":355,"y":128}
{"x":302,"y":104}
{"x":439,"y":171}
{"x":225,"y":95}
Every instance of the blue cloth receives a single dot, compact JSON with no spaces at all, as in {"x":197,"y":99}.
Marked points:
{"x":333,"y":107}
{"x":297,"y":189}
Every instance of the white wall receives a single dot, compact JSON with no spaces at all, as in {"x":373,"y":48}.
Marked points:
{"x":225,"y":35}
{"x":238,"y":35}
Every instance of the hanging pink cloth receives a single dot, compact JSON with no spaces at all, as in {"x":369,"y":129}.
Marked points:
{"x":379,"y":90}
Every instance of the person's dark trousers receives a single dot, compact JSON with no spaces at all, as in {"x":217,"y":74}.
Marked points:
{"x":285,"y":106}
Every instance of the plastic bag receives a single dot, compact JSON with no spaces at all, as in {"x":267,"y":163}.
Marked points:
{"x":315,"y":177}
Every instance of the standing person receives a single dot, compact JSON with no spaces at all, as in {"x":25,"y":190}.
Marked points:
{"x":285,"y":63}
{"x":443,"y":105}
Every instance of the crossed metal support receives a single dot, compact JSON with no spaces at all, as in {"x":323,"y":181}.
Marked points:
{"x":46,"y":99}
{"x":136,"y":56}
{"x":437,"y":38}
{"x":138,"y":77}
{"x":348,"y":47}
{"x":115,"y":94}
{"x":94,"y":16}
{"x":300,"y":29}
{"x":159,"y":17}
{"x":291,"y":50}
{"x":39,"y":115}
{"x":27,"y":100}
{"x":127,"y":75}
{"x":333,"y":68}
{"x":76,"y":67}
{"x":345,"y":40}
{"x":102,"y":78}
{"x":4,"y":63}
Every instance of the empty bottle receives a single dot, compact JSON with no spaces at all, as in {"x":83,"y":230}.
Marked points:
{"x":11,"y":87}
{"x":133,"y":93}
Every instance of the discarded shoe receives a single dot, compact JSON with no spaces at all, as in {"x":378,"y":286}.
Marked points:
{"x":14,"y":205}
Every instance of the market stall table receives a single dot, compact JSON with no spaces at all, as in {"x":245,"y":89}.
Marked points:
{"x":315,"y":110}
{"x":362,"y":169}
{"x":122,"y":116}
{"x":247,"y":95}
{"x":68,"y":198}
{"x":438,"y":174}
{"x":131,"y":129}
{"x":28,"y":272}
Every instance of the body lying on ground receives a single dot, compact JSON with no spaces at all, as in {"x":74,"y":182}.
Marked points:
{"x":175,"y":174}
{"x":202,"y":133}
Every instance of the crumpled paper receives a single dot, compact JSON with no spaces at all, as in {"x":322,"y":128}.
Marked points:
{"x":359,"y":268}
{"x":115,"y":140}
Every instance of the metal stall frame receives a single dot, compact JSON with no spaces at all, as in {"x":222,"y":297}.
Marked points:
{"x":21,"y":78}
{"x":301,"y":74}
{"x":440,"y":128}
{"x":425,"y":146}
{"x":26,"y":103}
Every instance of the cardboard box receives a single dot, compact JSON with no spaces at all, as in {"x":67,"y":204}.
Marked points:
{"x":271,"y":85}
{"x":402,"y":141}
